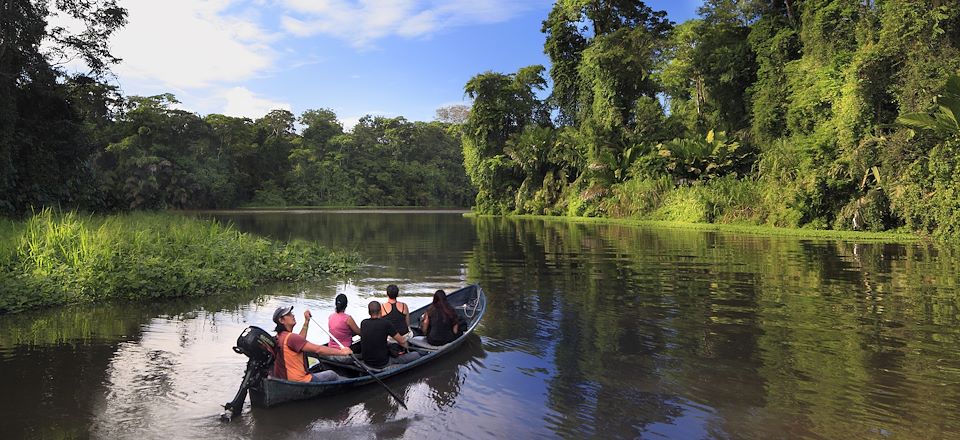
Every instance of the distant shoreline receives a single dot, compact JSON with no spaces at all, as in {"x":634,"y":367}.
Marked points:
{"x":331,"y":209}
{"x":829,"y":234}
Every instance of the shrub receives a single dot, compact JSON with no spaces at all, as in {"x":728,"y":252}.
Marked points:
{"x":637,"y":196}
{"x":686,"y":204}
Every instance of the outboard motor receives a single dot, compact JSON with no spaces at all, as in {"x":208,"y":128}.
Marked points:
{"x":259,"y":347}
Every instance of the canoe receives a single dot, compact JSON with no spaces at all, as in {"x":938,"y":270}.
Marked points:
{"x":470,"y":304}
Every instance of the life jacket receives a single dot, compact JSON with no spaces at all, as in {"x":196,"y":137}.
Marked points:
{"x":289,"y":364}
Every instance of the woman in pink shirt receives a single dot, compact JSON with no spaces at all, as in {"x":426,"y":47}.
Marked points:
{"x":342,"y":326}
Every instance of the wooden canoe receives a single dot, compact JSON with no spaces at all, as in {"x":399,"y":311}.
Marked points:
{"x":470,"y":304}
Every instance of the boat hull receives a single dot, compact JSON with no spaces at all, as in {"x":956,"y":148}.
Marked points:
{"x":272,"y":391}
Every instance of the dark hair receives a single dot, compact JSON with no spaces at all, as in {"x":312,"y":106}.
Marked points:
{"x":280,"y":328}
{"x":341,"y":302}
{"x":392,"y":291}
{"x":440,"y":303}
{"x":374,"y":308}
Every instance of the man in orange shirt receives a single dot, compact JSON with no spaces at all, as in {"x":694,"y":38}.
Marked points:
{"x":290,"y":362}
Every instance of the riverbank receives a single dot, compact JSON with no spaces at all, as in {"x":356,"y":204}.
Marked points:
{"x":54,"y":259}
{"x":828,"y":234}
{"x":344,"y":209}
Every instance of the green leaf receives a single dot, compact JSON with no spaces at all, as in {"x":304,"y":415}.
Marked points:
{"x":953,"y":86}
{"x":917,"y":120}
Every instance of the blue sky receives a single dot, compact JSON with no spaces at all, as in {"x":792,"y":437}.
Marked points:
{"x":387,"y":57}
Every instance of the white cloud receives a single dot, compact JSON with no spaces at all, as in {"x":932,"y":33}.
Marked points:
{"x":206,"y":52}
{"x":349,"y":122}
{"x":242,"y":102}
{"x":185,"y":44}
{"x":362,"y":22}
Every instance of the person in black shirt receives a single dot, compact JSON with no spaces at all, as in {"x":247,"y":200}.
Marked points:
{"x":373,"y":340}
{"x":440,"y":323}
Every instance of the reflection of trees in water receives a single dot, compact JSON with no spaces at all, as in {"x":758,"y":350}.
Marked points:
{"x":49,"y":391}
{"x":777,"y":335}
{"x":415,"y":245}
{"x":55,"y":362}
{"x":571,"y":298}
{"x":770,"y":336}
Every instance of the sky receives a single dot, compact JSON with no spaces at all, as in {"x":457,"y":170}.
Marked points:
{"x":356,"y":57}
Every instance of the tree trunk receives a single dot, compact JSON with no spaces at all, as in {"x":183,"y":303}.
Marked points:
{"x":789,"y":10}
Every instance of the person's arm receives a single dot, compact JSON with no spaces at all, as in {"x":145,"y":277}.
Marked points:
{"x":456,"y":328}
{"x":353,"y":326}
{"x":406,"y":314}
{"x":306,"y":323}
{"x":401,"y":340}
{"x":383,"y":309}
{"x":426,"y":323}
{"x":323,"y":350}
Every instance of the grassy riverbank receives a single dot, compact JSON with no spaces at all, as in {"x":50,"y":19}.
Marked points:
{"x":735,"y":227}
{"x":71,"y":258}
{"x":340,"y":208}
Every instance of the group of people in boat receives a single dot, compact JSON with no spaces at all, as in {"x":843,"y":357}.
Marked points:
{"x":384,"y":336}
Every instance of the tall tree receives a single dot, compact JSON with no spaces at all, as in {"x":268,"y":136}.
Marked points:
{"x":503,"y":104}
{"x":42,"y":143}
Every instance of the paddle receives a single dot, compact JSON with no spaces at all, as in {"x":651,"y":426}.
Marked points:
{"x":362,"y":365}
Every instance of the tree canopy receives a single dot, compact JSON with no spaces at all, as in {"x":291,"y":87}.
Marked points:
{"x":73,"y":141}
{"x":782,"y":113}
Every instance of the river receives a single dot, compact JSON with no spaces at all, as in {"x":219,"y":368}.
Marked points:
{"x":591,"y":331}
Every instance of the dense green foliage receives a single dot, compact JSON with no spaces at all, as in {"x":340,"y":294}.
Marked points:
{"x":47,"y":117}
{"x":160,"y":157}
{"x":780,"y":113}
{"x":72,"y":140}
{"x":69,"y":258}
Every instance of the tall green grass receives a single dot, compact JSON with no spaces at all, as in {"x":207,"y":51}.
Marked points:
{"x":64,"y":258}
{"x":722,"y":200}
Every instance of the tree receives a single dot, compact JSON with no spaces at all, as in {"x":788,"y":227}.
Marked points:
{"x":320,"y":126}
{"x":630,"y":26}
{"x":453,"y":114}
{"x":274,"y":142}
{"x":39,"y":125}
{"x":503,"y":104}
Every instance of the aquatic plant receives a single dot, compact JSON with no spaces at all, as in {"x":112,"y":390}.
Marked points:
{"x":56,"y":258}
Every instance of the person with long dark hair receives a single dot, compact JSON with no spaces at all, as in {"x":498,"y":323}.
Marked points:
{"x":440,"y":323}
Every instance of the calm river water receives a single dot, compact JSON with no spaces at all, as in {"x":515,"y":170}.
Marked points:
{"x":591,"y":331}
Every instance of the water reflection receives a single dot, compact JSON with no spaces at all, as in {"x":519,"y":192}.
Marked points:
{"x":591,"y":331}
{"x":55,"y":363}
{"x":768,"y":336}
